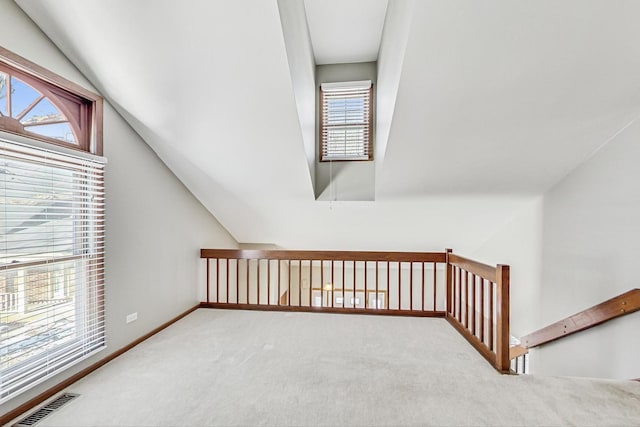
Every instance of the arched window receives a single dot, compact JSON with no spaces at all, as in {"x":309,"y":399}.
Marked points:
{"x":37,"y":109}
{"x":51,"y":225}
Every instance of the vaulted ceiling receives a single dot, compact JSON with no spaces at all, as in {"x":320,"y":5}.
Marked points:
{"x":491,"y":103}
{"x":345,"y":31}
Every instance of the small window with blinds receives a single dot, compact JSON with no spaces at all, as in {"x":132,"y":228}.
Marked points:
{"x":51,"y":236}
{"x":346,"y":124}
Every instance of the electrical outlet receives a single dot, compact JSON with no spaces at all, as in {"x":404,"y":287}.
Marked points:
{"x":132,"y":317}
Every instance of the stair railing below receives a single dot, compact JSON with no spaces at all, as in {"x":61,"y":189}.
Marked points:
{"x":519,"y":359}
{"x":621,"y":305}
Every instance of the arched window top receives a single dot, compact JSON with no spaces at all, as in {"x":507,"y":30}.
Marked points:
{"x":34,"y":112}
{"x":47,"y":108}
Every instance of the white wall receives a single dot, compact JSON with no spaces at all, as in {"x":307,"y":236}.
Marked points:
{"x":347,"y":181}
{"x":518,"y":243}
{"x":302,"y":67}
{"x":576,"y":247}
{"x":591,"y":247}
{"x":393,"y":43}
{"x":154,"y":226}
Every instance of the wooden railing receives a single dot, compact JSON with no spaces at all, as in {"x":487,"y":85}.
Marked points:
{"x":620,"y":305}
{"x":478,"y":307}
{"x":400,"y":283}
{"x":519,"y":359}
{"x":474,"y":297}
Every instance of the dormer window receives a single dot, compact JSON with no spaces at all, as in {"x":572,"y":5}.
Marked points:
{"x":346,"y":124}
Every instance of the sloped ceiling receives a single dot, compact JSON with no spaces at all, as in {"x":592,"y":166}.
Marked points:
{"x":509,"y":96}
{"x":496,"y":101}
{"x":345,"y":31}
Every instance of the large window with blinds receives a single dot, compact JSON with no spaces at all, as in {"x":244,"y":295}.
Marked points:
{"x":51,"y":238}
{"x":346,"y":122}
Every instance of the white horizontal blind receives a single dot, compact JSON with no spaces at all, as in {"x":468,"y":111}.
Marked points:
{"x":346,"y":121}
{"x":51,"y":263}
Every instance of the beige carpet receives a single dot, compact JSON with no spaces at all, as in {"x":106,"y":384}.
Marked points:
{"x":219,"y":367}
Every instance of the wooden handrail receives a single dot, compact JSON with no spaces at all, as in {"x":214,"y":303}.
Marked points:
{"x":323,"y":255}
{"x":620,"y":305}
{"x":474,"y":267}
{"x":517,"y":351}
{"x":519,"y":359}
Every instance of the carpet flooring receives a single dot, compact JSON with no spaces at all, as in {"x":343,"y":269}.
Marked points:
{"x":242,"y":368}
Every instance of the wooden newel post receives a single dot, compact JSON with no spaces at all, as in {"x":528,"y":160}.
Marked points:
{"x":448,"y":280}
{"x":502,"y":340}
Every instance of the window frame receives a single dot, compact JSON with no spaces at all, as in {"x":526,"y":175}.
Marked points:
{"x":321,"y":126}
{"x":56,"y":88}
{"x":63,"y":94}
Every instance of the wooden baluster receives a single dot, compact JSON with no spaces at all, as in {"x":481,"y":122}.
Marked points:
{"x":366,"y":274}
{"x":333,"y":283}
{"x":208,"y":280}
{"x":467,"y":297}
{"x":247,"y":278}
{"x":491,"y":316}
{"x":299,"y":283}
{"x":258,"y":281}
{"x":310,"y":281}
{"x":217,"y":279}
{"x":463,"y":304}
{"x":289,"y":285}
{"x":399,"y":287}
{"x":459,"y":296}
{"x":435,"y":286}
{"x":377,"y":294}
{"x":354,"y":284}
{"x":321,"y":283}
{"x":454,"y":290}
{"x":462,"y":275}
{"x":388,"y":286}
{"x":466,"y":300}
{"x":279,"y":292}
{"x":473,"y":305}
{"x":423,"y":291}
{"x":344,"y":293}
{"x":448,"y":282}
{"x":411,"y":285}
{"x":237,"y":281}
{"x":227,"y":280}
{"x":482,"y":309}
{"x":268,"y":282}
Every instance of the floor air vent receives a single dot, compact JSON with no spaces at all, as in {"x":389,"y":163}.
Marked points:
{"x":37,"y":416}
